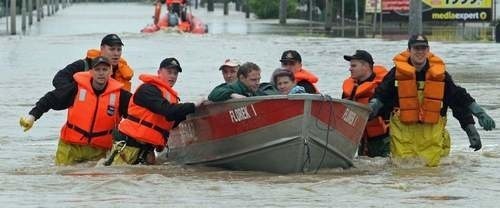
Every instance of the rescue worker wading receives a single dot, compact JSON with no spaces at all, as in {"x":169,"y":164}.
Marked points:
{"x":360,"y":87}
{"x":419,"y":90}
{"x":153,"y":110}
{"x":111,"y":48}
{"x":95,"y":106}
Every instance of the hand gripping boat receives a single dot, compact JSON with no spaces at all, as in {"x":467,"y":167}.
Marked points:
{"x":176,"y":18}
{"x":279,"y":134}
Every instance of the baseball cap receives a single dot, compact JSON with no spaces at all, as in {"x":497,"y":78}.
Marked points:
{"x":360,"y":55}
{"x":230,"y":63}
{"x":111,"y":39}
{"x":99,"y":60}
{"x":418,"y":40}
{"x":290,"y":55}
{"x":171,"y":63}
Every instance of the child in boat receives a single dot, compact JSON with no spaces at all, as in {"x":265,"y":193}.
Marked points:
{"x":284,"y":81}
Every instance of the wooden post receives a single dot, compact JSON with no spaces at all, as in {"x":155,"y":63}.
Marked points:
{"x":195,"y":4}
{"x":6,"y":16}
{"x":47,"y":4}
{"x":343,"y":18}
{"x":415,"y":18}
{"x":310,"y":15}
{"x":328,"y":15}
{"x":226,"y":7}
{"x":282,"y":11}
{"x":381,"y":23}
{"x":12,"y":17}
{"x":375,"y":19}
{"x":23,"y":16}
{"x":210,"y":6}
{"x":356,"y":16}
{"x":57,"y":5}
{"x":30,"y":12}
{"x":38,"y":11}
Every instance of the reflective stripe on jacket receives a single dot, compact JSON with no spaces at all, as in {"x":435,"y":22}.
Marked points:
{"x":123,"y":74}
{"x":144,"y":125}
{"x":362,"y":94}
{"x":411,"y":108}
{"x":91,"y":118}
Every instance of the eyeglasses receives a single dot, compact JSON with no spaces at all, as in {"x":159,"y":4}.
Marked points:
{"x":288,"y":63}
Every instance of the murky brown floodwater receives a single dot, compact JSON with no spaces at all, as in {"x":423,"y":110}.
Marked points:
{"x":29,"y":178}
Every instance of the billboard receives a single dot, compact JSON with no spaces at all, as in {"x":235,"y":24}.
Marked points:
{"x":435,"y":10}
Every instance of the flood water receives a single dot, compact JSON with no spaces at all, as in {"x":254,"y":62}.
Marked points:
{"x":29,"y":178}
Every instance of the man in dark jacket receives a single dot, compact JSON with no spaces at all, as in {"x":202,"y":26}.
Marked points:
{"x":153,"y":111}
{"x":95,"y":104}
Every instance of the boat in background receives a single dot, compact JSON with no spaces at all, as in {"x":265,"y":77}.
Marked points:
{"x":278,"y":134}
{"x":176,"y":18}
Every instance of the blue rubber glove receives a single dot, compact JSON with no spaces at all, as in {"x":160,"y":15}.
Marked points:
{"x":375,"y":106}
{"x":484,"y":119}
{"x":474,"y":138}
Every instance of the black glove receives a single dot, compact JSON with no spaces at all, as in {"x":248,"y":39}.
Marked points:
{"x":474,"y":138}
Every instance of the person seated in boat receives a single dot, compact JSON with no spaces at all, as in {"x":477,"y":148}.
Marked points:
{"x":292,"y":61}
{"x":247,"y":84}
{"x":153,"y":111}
{"x":177,"y":7}
{"x":284,"y":81}
{"x":229,"y":70}
{"x":111,"y":48}
{"x":360,"y":87}
{"x":95,"y":104}
{"x":418,"y":90}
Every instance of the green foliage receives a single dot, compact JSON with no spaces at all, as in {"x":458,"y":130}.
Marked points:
{"x":269,"y":9}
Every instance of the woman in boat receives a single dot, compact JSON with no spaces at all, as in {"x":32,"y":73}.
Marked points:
{"x":284,"y":81}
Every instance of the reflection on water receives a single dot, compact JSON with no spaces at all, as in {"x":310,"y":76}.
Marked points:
{"x":29,"y":177}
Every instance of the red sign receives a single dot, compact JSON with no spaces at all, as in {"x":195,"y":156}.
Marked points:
{"x":396,"y":5}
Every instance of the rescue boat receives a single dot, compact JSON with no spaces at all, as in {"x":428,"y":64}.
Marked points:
{"x":279,"y":134}
{"x":175,"y":18}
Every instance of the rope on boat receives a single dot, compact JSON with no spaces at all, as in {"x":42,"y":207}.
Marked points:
{"x":327,"y":99}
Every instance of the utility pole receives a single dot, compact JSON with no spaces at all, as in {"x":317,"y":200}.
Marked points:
{"x":415,"y":24}
{"x":283,"y":7}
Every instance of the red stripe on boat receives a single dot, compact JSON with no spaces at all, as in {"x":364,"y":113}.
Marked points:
{"x":340,"y":118}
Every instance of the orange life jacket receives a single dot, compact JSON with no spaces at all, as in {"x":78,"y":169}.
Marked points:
{"x":123,"y":74}
{"x":363,"y":93}
{"x":144,"y":125}
{"x":91,"y":118}
{"x":410,"y":109}
{"x":306,"y":75}
{"x":184,"y":26}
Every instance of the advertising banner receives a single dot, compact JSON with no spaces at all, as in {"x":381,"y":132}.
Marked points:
{"x":436,"y":10}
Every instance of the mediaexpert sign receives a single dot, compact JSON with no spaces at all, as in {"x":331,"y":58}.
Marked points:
{"x":436,"y":10}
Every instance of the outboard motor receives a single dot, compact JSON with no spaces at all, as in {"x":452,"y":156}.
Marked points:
{"x":173,"y":20}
